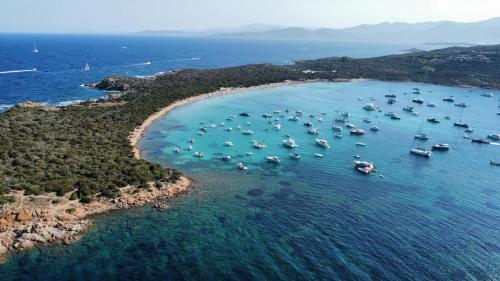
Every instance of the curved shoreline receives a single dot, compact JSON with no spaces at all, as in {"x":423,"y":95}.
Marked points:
{"x":136,"y":136}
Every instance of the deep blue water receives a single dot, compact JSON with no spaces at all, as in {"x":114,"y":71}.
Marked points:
{"x":307,"y":219}
{"x":62,"y":58}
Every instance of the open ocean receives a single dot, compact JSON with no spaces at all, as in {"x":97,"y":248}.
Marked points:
{"x":307,"y":219}
{"x":61,"y":60}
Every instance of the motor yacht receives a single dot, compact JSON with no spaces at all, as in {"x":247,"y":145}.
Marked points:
{"x":290,"y":143}
{"x":357,"y":132}
{"x":322,"y":143}
{"x":421,"y":152}
{"x":273,"y":159}
{"x":364,"y":167}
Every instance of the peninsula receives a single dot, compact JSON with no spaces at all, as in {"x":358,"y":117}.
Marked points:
{"x":58,"y":166}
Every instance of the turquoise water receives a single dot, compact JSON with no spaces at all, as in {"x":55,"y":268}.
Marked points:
{"x":307,"y":219}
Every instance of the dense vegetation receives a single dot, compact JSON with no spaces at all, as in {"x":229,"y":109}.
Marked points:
{"x":85,"y":147}
{"x":475,"y":66}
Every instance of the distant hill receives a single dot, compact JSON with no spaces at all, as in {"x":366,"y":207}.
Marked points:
{"x":440,"y":32}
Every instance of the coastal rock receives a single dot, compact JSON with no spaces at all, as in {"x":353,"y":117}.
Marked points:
{"x":23,"y":216}
{"x":32,"y":104}
{"x":121,"y":84}
{"x":3,"y":250}
{"x":162,"y":206}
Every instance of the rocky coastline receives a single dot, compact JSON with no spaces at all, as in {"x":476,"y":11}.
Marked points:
{"x":33,"y":221}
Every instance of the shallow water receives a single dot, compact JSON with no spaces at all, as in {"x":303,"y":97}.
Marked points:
{"x":307,"y":219}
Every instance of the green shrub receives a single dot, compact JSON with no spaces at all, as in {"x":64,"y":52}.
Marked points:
{"x":6,"y":199}
{"x":85,"y":199}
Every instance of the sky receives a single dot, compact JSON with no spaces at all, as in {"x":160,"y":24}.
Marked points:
{"x":117,"y":16}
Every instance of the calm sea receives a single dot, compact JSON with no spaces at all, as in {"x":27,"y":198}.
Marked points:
{"x":55,"y":73}
{"x":307,"y":219}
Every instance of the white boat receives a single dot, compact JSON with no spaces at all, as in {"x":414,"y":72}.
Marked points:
{"x":369,"y":107}
{"x":462,"y":104}
{"x":293,"y":118}
{"x":364,"y":167}
{"x":441,"y":146}
{"x":421,"y":152}
{"x":198,"y":154}
{"x":35,"y":49}
{"x":350,"y":126}
{"x":290,"y":143}
{"x":295,"y":155}
{"x":421,"y":137}
{"x":409,"y":108}
{"x":374,"y":129}
{"x":361,"y":144}
{"x":449,"y":99}
{"x":277,"y":126}
{"x":366,"y":120}
{"x":488,"y":95}
{"x":87,"y":67}
{"x":337,"y":128}
{"x":357,"y":156}
{"x":190,"y":147}
{"x":212,"y":126}
{"x":229,"y":129}
{"x":258,"y":145}
{"x":447,"y":117}
{"x":228,"y":143}
{"x":241,"y":166}
{"x":322,"y":143}
{"x":469,"y":130}
{"x":248,"y":132}
{"x":494,"y":136}
{"x":226,"y":158}
{"x":494,"y":163}
{"x":431,"y":104}
{"x":390,"y":114}
{"x":273,"y":159}
{"x":313,"y":131}
{"x":320,"y":119}
{"x":339,"y":136}
{"x":177,"y":150}
{"x":340,"y":119}
{"x":191,"y":140}
{"x":357,"y":132}
{"x":249,"y":153}
{"x":319,"y":155}
{"x":200,"y":133}
{"x":222,"y":124}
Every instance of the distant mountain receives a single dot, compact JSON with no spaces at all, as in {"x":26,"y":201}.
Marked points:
{"x":447,"y":32}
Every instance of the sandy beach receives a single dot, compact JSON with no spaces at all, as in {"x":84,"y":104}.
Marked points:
{"x":139,"y":132}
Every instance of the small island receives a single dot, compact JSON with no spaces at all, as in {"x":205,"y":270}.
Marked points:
{"x":61,"y":165}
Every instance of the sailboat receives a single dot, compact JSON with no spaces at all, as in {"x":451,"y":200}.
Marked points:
{"x":420,"y":135}
{"x":35,"y":50}
{"x":87,"y":67}
{"x":461,"y":123}
{"x":418,"y":150}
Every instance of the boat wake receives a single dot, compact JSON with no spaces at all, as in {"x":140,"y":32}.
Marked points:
{"x":494,"y":143}
{"x":18,"y":71}
{"x":188,"y":59}
{"x":142,"y":63}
